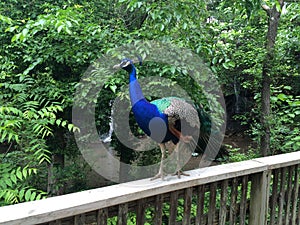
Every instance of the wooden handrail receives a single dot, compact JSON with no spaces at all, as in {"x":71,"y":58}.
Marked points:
{"x":64,"y":206}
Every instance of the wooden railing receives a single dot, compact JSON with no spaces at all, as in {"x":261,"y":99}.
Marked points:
{"x":255,"y":192}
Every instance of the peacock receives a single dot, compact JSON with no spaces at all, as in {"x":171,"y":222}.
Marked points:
{"x":166,"y":119}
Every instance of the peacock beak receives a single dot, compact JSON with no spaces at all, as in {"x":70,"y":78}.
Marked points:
{"x":118,"y":66}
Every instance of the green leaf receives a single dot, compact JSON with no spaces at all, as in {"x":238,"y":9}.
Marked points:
{"x":278,"y":6}
{"x":68,"y":30}
{"x":70,"y":127}
{"x":41,"y":22}
{"x":113,"y":88}
{"x":25,"y":32}
{"x":24,"y":172}
{"x":5,"y":19}
{"x":21,"y":194}
{"x":296,"y":138}
{"x":282,"y":97}
{"x":64,"y":123}
{"x":231,"y":64}
{"x":28,"y":195}
{"x":13,"y":178}
{"x":16,"y":37}
{"x":19,"y":173}
{"x":162,"y":27}
{"x":8,"y":182}
{"x":225,"y":65}
{"x":58,"y":122}
{"x":215,"y":61}
{"x":38,"y":197}
{"x":10,"y":136}
{"x":59,"y":28}
{"x":32,"y":197}
{"x":11,"y":29}
{"x":68,"y":23}
{"x":173,"y":69}
{"x":287,"y":88}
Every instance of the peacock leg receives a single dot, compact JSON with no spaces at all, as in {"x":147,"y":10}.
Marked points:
{"x":161,"y":168}
{"x":179,"y":172}
{"x":179,"y":135}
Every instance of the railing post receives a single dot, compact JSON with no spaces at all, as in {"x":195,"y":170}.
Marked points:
{"x":259,"y":200}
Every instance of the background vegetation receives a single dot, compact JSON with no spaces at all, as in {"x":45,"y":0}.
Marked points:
{"x":46,"y":47}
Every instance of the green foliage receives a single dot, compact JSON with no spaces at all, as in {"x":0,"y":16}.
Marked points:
{"x":29,"y":112}
{"x":241,"y":33}
{"x":27,"y":120}
{"x":15,"y":186}
{"x":284,"y":120}
{"x":237,"y":156}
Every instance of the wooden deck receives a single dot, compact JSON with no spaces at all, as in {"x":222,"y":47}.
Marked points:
{"x":255,"y":192}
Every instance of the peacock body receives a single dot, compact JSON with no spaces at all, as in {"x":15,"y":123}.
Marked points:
{"x":165,"y":119}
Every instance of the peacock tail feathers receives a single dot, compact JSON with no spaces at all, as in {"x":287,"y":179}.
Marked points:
{"x":208,"y":135}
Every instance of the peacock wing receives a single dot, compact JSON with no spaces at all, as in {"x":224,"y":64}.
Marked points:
{"x":178,"y":109}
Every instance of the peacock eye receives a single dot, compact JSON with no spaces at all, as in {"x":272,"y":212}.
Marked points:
{"x":125,"y":63}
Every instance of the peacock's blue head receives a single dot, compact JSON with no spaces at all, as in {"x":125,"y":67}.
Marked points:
{"x":127,"y":64}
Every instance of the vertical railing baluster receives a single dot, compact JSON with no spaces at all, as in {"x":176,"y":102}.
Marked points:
{"x":289,"y":195}
{"x":173,"y":207}
{"x":298,"y":216}
{"x":79,"y":219}
{"x":102,"y":215}
{"x":158,"y":209}
{"x":233,"y":203}
{"x":295,"y":196}
{"x":281,"y":195}
{"x":274,"y":197}
{"x":140,"y":212}
{"x":223,"y":203}
{"x":243,"y":202}
{"x":259,"y":201}
{"x":200,"y":204}
{"x":122,"y":214}
{"x":56,"y":222}
{"x":212,"y":203}
{"x":187,"y":206}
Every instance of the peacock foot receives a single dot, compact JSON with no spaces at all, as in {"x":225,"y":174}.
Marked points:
{"x":159,"y":175}
{"x":179,"y":173}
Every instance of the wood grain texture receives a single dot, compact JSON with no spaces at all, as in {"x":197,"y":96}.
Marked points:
{"x":70,"y":205}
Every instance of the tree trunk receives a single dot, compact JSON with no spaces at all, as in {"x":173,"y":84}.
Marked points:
{"x":55,"y":187}
{"x":58,"y":160}
{"x":273,"y":21}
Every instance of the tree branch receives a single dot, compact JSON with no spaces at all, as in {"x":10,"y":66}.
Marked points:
{"x":8,"y":149}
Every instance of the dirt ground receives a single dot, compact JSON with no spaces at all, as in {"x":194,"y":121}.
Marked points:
{"x":240,"y":141}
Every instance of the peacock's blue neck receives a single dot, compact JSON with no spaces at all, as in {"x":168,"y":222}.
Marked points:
{"x":135,"y":90}
{"x":147,"y":115}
